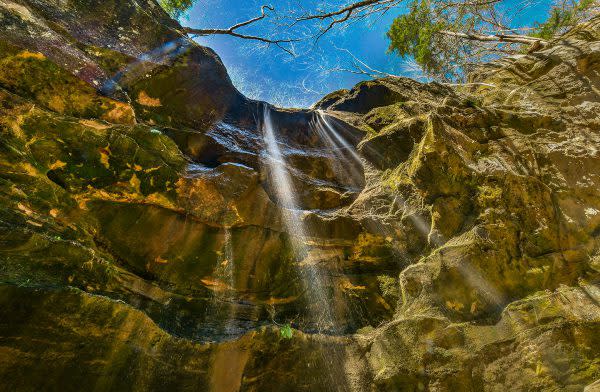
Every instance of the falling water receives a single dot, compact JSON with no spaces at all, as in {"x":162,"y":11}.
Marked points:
{"x":332,"y":137}
{"x":314,"y":281}
{"x":224,"y":271}
{"x":347,"y":164}
{"x":221,"y":311}
{"x":329,"y":131}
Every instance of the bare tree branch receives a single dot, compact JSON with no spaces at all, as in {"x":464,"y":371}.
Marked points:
{"x":345,"y":10}
{"x":510,"y":38}
{"x":232,"y":31}
{"x":362,"y":67}
{"x":356,"y":10}
{"x":351,"y":10}
{"x":364,"y":8}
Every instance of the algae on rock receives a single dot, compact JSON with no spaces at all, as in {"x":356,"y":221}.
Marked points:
{"x":142,"y":245}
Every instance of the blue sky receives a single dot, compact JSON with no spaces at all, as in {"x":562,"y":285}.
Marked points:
{"x":272,"y":75}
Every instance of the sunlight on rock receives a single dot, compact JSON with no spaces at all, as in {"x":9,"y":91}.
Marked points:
{"x":161,"y":231}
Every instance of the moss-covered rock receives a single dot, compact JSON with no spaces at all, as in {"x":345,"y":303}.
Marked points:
{"x":442,"y":239}
{"x":32,"y":75}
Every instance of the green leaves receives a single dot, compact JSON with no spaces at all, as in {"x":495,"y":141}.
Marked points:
{"x":561,"y":17}
{"x":176,"y":8}
{"x":286,"y":331}
{"x":411,"y":34}
{"x":449,"y":39}
{"x":416,"y":35}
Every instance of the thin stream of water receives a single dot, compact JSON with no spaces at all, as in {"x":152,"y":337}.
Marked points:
{"x":347,"y":165}
{"x":313,"y":279}
{"x":328,"y":131}
{"x":323,"y":121}
{"x":221,"y":311}
{"x":316,"y":282}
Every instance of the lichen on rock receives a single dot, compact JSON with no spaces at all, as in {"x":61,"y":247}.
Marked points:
{"x":452,"y":240}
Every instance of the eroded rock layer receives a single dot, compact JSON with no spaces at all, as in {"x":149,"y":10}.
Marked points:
{"x":396,"y":237}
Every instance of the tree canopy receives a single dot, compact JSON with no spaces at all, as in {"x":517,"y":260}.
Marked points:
{"x":563,"y":16}
{"x":448,"y":38}
{"x":445,"y":38}
{"x":176,"y":7}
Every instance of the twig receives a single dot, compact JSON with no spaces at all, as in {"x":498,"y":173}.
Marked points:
{"x":359,"y":64}
{"x":232,"y":31}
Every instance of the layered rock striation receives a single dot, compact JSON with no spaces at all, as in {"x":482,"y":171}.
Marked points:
{"x":433,"y":238}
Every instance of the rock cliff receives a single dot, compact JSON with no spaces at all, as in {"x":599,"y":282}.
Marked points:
{"x":160,"y":231}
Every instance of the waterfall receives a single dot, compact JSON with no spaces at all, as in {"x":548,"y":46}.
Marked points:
{"x":348,"y":165}
{"x":221,"y":312}
{"x":327,"y":130}
{"x":224,"y":270}
{"x":315,"y":282}
{"x":337,"y":143}
{"x":313,"y":279}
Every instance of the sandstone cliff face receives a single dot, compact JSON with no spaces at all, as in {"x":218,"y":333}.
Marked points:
{"x":450,"y":235}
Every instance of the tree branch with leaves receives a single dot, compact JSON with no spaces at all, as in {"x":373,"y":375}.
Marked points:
{"x":447,"y":39}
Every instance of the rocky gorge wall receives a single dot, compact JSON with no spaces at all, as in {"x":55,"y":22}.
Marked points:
{"x":450,"y":234}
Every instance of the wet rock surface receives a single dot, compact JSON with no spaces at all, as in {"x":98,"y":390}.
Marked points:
{"x":428,"y":237}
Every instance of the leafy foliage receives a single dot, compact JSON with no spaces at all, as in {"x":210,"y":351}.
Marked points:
{"x":419,"y":34}
{"x":444,"y":38}
{"x":176,"y":8}
{"x":286,"y":331}
{"x":562,"y":16}
{"x":413,"y":35}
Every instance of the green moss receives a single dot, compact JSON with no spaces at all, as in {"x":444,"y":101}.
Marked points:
{"x":489,"y":195}
{"x":397,"y":177}
{"x":389,"y":287}
{"x":109,"y":60}
{"x":77,"y":156}
{"x":331,"y":98}
{"x":380,"y":118}
{"x":33,"y":76}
